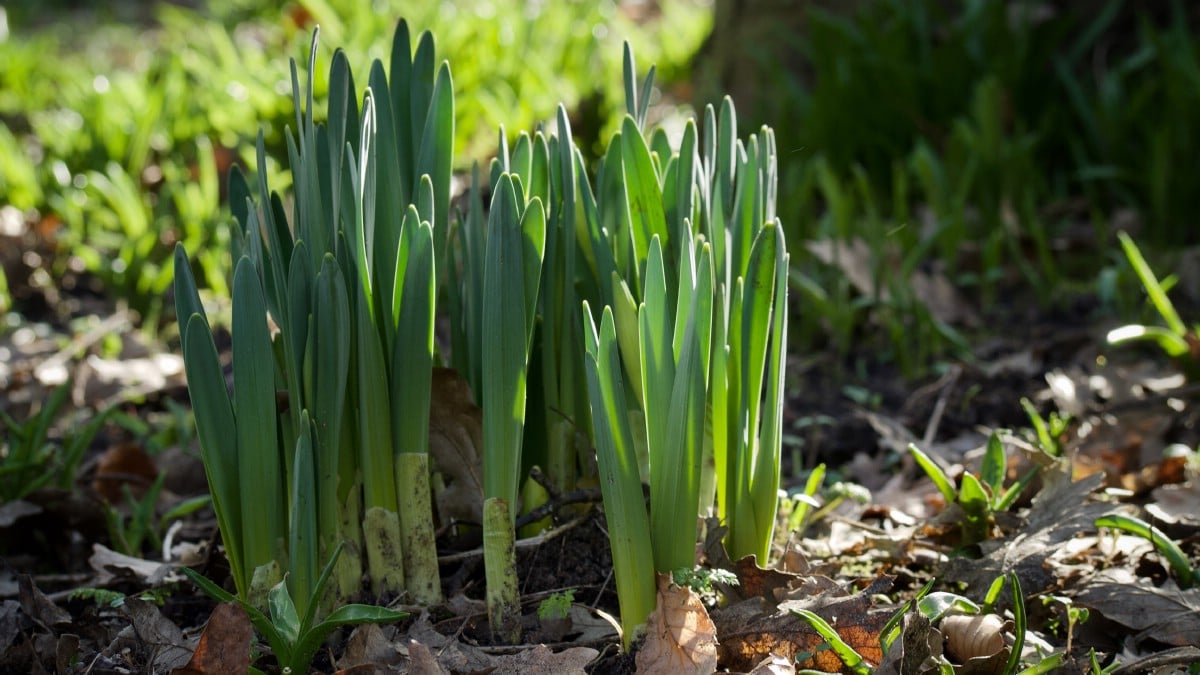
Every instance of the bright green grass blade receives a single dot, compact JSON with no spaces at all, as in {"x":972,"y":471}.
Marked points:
{"x":1178,"y":561}
{"x":1006,"y":499}
{"x":263,"y":501}
{"x":217,"y":428}
{"x":935,"y":473}
{"x":1158,"y":297}
{"x":624,"y":506}
{"x":1019,"y":620}
{"x":851,"y":658}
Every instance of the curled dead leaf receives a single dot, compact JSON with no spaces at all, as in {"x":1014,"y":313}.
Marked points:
{"x":973,"y":636}
{"x":680,"y":636}
{"x":123,"y":464}
{"x":455,"y":440}
{"x":224,"y":645}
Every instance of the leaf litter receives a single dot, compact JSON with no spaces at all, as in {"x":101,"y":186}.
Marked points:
{"x":70,"y":603}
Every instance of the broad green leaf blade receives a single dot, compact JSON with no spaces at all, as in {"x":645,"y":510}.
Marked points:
{"x":974,"y":501}
{"x":302,"y":540}
{"x":765,"y":480}
{"x":374,"y":413}
{"x":347,"y":615}
{"x":217,"y":428}
{"x":994,"y":466}
{"x":331,"y":364}
{"x":504,"y":321}
{"x":533,"y":249}
{"x":936,"y":605}
{"x":400,"y":86}
{"x":263,"y":501}
{"x":643,"y":193}
{"x":412,"y":361}
{"x":436,"y":157}
{"x":283,"y":612}
{"x":187,"y":297}
{"x":657,"y":366}
{"x":624,"y":506}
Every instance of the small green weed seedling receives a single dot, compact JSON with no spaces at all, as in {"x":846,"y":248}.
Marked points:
{"x":937,"y":607}
{"x":295,"y":638}
{"x":555,"y":607}
{"x":129,"y":534}
{"x":980,"y":496}
{"x":823,"y":500}
{"x":29,"y":460}
{"x":1048,"y":431}
{"x":1177,"y":339}
{"x":1177,"y":560}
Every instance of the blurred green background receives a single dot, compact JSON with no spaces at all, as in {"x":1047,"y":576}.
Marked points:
{"x":988,"y":151}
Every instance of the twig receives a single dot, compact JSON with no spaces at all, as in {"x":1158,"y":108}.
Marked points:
{"x":521,"y":543}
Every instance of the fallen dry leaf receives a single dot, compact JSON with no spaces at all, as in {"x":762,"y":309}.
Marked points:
{"x":541,"y":661}
{"x":862,"y":268}
{"x":774,"y":665}
{"x":455,"y":440}
{"x":1176,"y":503}
{"x":1164,"y":613}
{"x":680,"y":636}
{"x":368,"y":645}
{"x":224,"y":645}
{"x":915,"y":650}
{"x":38,"y":607}
{"x":421,"y":661}
{"x":160,"y":637}
{"x":451,"y":655}
{"x":124,"y":464}
{"x":112,"y":565}
{"x":1060,"y":511}
{"x":751,"y":631}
